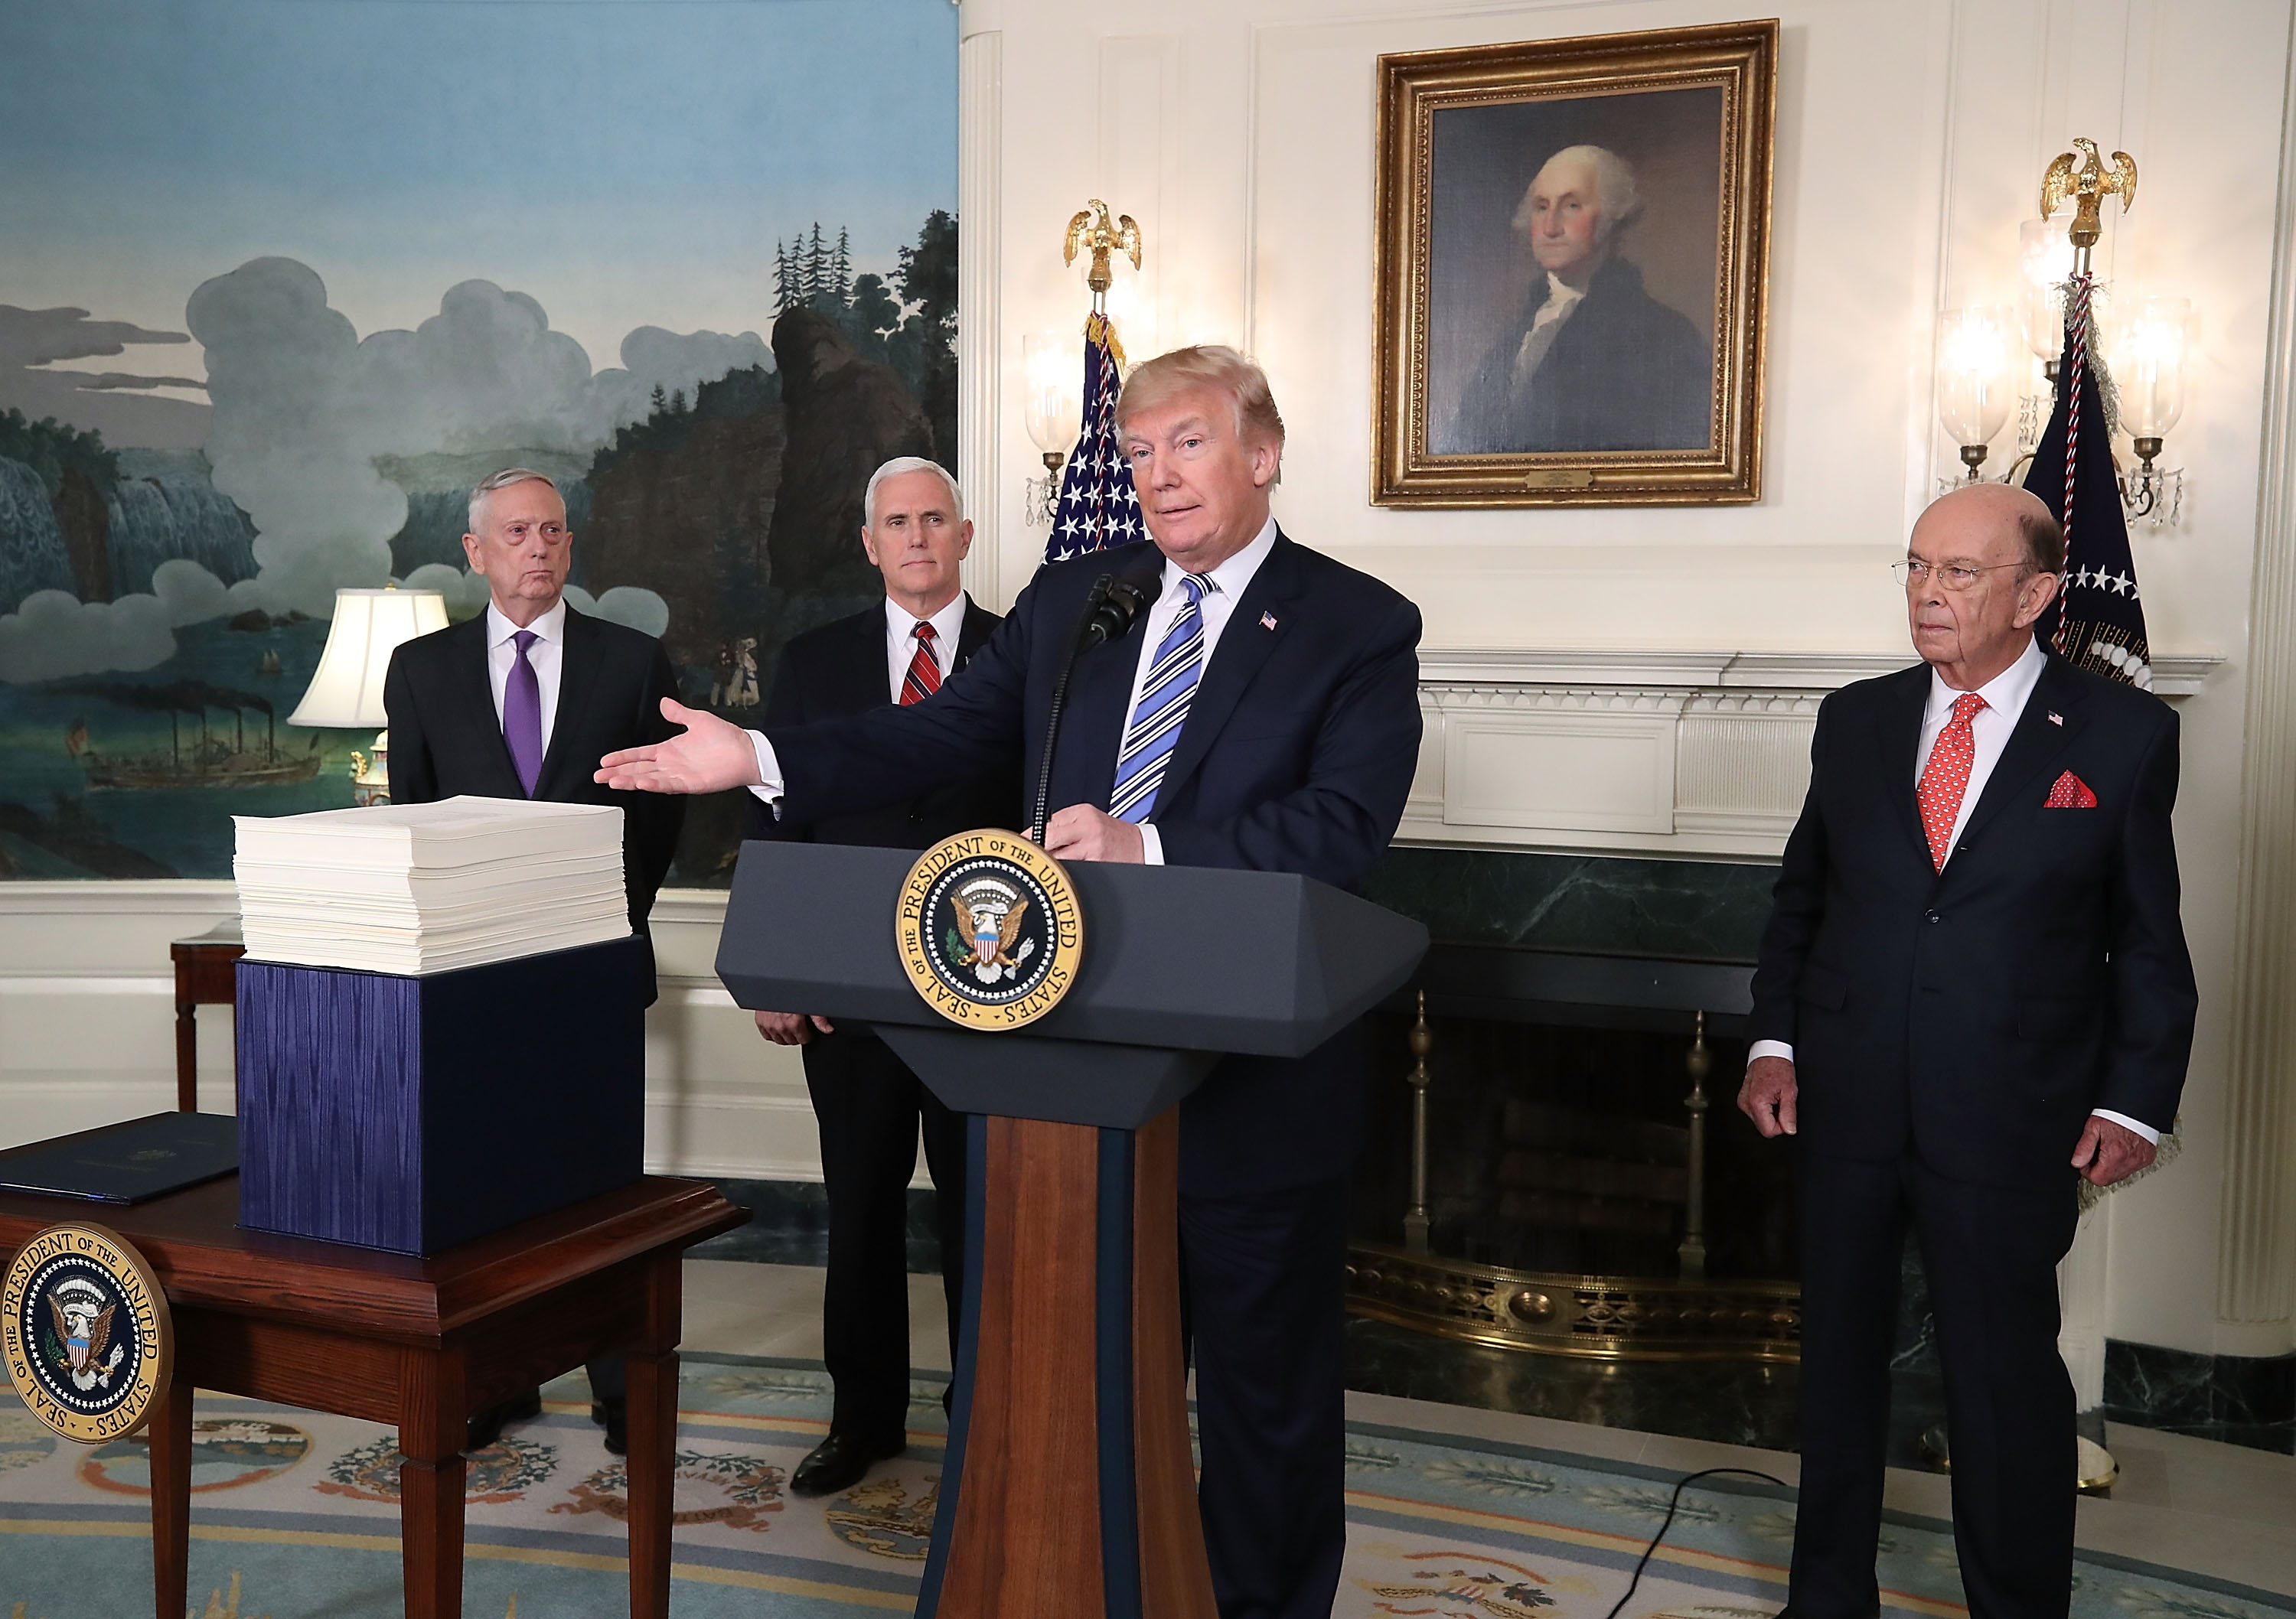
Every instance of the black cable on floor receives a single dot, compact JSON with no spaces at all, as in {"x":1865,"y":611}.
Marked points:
{"x":1671,"y":1507}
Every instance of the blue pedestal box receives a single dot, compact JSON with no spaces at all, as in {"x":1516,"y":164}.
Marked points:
{"x":415,"y":1114}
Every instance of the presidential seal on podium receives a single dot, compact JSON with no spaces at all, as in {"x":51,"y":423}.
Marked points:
{"x":85,"y":1332}
{"x":989,"y":930}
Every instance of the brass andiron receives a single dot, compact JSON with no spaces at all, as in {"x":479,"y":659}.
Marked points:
{"x":1692,"y":1251}
{"x":1415,"y":1222}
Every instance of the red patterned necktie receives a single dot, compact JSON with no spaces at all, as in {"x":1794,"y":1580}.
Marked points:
{"x":1946,"y":776}
{"x":923,"y":678}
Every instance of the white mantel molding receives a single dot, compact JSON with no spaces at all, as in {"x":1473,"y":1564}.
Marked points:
{"x":1698,"y":754}
{"x":1679,"y":754}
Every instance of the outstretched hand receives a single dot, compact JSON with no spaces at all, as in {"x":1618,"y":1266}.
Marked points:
{"x":712,"y":756}
{"x":2108,"y":1152}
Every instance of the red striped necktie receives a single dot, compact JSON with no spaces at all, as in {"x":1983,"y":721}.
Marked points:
{"x":923,"y":678}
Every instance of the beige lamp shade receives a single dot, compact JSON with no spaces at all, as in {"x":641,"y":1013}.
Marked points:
{"x":347,"y":691}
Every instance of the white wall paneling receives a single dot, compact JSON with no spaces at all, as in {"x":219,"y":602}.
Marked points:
{"x":2256,"y":1290}
{"x":979,"y":331}
{"x":1911,"y":139}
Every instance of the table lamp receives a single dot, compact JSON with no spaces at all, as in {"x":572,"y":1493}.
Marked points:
{"x":346,"y":693}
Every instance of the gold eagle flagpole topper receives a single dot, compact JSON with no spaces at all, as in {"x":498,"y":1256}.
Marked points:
{"x":2088,"y":184}
{"x":1093,"y":229}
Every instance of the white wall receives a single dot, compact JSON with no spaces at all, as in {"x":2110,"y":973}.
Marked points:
{"x":1912,"y":134}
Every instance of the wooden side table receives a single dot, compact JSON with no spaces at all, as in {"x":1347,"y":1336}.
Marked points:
{"x":417,"y":1343}
{"x":203,"y":977}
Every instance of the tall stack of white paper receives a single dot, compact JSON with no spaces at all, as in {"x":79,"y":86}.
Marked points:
{"x":415,"y":889}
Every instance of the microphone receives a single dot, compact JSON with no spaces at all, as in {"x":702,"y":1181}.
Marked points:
{"x":1114,"y":605}
{"x":1110,"y":607}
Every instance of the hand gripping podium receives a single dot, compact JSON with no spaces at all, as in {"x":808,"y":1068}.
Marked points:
{"x":1068,"y":1488}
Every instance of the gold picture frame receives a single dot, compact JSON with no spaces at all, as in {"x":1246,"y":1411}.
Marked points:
{"x":1501,"y":201}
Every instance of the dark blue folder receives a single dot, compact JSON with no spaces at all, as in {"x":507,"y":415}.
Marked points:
{"x":128,"y":1163}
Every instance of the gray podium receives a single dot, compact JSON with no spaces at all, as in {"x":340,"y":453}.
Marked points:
{"x":1069,"y":1487}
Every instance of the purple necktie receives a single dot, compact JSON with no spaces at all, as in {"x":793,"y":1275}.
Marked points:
{"x":523,"y":716}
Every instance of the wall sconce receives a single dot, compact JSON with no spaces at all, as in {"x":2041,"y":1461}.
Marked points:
{"x":1132,"y":311}
{"x":1053,"y":417}
{"x":2143,"y":348}
{"x":2146,"y":349}
{"x":1976,"y":364}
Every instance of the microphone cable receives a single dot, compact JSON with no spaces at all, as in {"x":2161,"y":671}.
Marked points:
{"x":1672,"y":1506}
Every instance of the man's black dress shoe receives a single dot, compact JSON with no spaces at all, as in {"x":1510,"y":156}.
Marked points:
{"x":485,"y":1426}
{"x":838,"y":1462}
{"x":614,"y":1417}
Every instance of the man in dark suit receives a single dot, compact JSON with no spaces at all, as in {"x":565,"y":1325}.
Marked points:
{"x":514,"y":704}
{"x":1264,"y":714}
{"x":1974,"y":976}
{"x":869,"y":1105}
{"x":1594,"y":361}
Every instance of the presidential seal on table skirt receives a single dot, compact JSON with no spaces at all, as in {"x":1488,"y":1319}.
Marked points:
{"x":988,"y":929}
{"x":85,"y":1332}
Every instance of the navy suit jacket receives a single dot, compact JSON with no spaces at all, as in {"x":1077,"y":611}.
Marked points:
{"x":446,"y":739}
{"x":1297,"y":755}
{"x":838,"y":670}
{"x":1979,"y":1015}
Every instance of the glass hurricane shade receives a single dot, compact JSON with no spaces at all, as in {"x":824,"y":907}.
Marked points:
{"x":346,"y":691}
{"x":2045,"y":263}
{"x":1052,"y":374}
{"x":1976,"y":367}
{"x":2147,"y":346}
{"x":1133,"y":313}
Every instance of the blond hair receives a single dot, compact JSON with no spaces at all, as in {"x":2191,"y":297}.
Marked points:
{"x":1207,"y":365}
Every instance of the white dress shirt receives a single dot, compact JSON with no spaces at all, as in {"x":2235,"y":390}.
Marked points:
{"x":1228,"y":581}
{"x":1545,"y":327}
{"x":546,"y":657}
{"x":2005,"y":696}
{"x":901,"y":639}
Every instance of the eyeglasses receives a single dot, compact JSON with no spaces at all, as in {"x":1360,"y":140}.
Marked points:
{"x":1950,"y":576}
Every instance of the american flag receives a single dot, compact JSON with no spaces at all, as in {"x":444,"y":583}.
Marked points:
{"x":2097,"y":621}
{"x":1097,"y":507}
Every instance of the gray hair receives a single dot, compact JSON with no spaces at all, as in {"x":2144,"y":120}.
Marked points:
{"x":897,"y":467}
{"x":1615,"y":193}
{"x":502,"y":480}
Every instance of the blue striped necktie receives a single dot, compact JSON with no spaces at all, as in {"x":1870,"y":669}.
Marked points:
{"x":1163,"y":709}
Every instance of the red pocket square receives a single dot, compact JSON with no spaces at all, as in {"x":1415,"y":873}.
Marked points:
{"x":2070,"y":792}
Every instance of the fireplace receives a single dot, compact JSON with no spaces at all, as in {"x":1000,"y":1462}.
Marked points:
{"x":1556,"y":1164}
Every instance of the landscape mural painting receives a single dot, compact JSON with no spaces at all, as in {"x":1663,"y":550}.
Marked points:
{"x":280,"y":282}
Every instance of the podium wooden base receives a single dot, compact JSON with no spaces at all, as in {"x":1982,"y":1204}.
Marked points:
{"x":1070,"y":1487}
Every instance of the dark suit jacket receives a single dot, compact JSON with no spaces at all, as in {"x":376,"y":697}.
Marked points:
{"x":838,"y":670}
{"x":1625,"y":373}
{"x":445,"y":739}
{"x":1979,"y":1015}
{"x":1297,"y":755}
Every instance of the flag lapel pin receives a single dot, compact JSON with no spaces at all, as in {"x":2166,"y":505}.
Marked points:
{"x":2055,"y":718}
{"x":1266,"y":621}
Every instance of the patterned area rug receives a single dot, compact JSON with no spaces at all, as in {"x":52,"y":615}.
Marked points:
{"x":294,"y":1514}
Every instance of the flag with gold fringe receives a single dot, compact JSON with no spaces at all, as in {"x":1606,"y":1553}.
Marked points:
{"x":2097,"y":621}
{"x":1098,"y":508}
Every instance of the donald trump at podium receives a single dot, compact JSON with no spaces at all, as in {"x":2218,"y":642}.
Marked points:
{"x":1264,"y":714}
